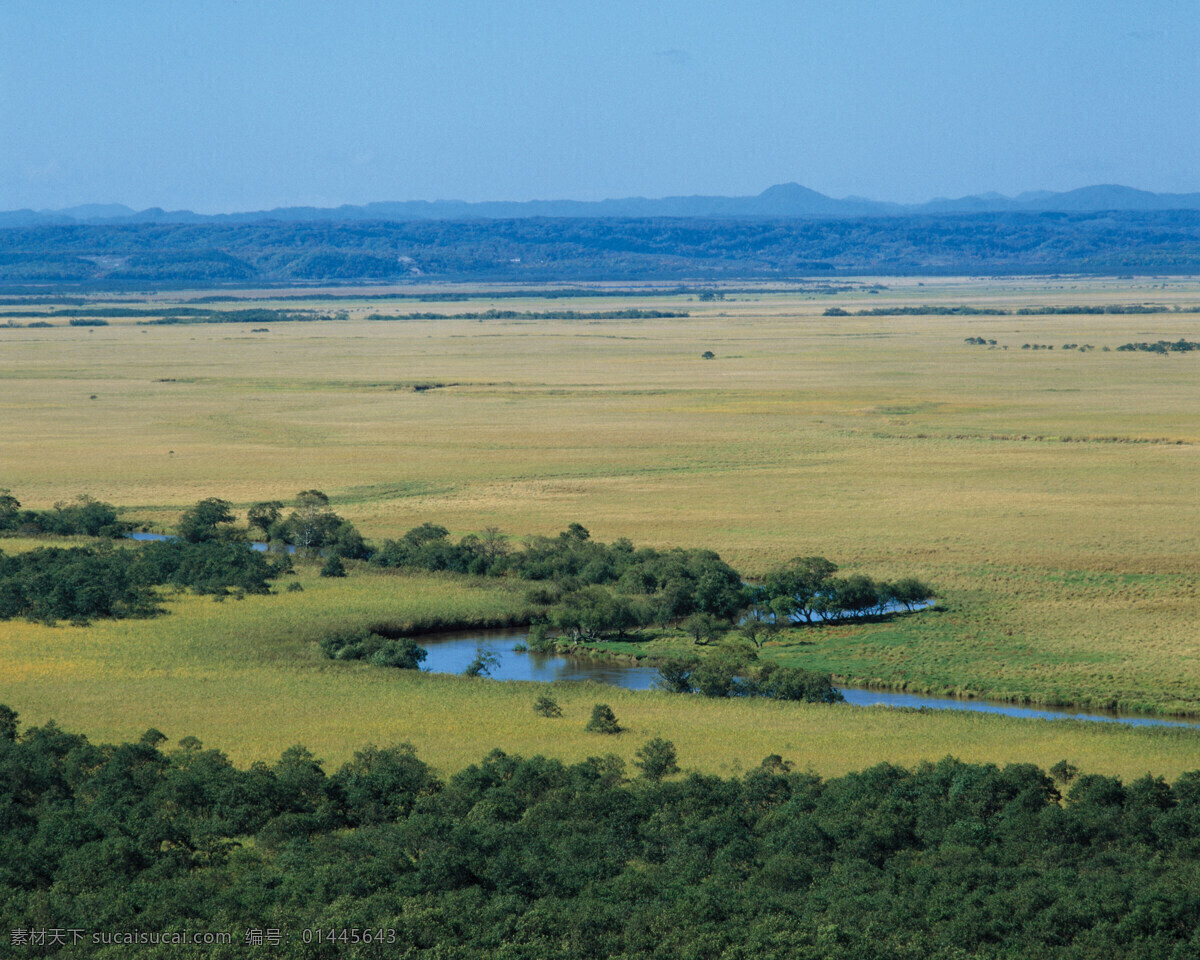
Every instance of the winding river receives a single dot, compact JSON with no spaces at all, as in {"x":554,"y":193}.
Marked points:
{"x":451,"y":652}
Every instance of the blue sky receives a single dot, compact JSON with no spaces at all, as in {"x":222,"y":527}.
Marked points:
{"x":220,"y":105}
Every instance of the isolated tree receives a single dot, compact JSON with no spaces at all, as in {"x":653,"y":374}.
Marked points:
{"x":603,"y":720}
{"x":547,"y":707}
{"x":484,"y":663}
{"x":657,"y":759}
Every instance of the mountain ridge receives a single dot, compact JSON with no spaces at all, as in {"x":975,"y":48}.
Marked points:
{"x":781,"y":201}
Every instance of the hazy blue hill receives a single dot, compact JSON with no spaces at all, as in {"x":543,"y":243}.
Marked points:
{"x":785,"y":200}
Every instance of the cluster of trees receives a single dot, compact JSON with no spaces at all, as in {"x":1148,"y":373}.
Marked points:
{"x":730,"y":673}
{"x":588,"y":589}
{"x":82,"y":516}
{"x":536,"y":858}
{"x":400,"y":652}
{"x":806,"y":590}
{"x":81,"y":583}
{"x":310,"y":526}
{"x":1163,"y":346}
{"x":591,"y":588}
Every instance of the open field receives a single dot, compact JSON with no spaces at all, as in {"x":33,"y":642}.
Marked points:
{"x":246,"y":676}
{"x":1048,"y":495}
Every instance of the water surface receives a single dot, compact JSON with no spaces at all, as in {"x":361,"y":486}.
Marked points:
{"x":451,"y":652}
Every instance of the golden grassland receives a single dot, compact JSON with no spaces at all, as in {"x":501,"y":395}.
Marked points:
{"x":1049,"y":495}
{"x":246,"y":677}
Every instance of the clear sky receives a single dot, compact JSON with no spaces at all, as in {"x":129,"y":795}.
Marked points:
{"x":221,"y":105}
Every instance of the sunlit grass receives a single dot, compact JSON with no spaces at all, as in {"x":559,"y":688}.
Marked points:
{"x":1067,"y":567}
{"x":246,"y":676}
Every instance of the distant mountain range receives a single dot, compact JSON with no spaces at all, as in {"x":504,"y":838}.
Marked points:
{"x":782,"y":201}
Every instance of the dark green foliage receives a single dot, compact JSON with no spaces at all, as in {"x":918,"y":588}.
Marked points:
{"x":312,"y":526}
{"x":82,"y":516}
{"x":1162,"y":346}
{"x":657,"y":759}
{"x":535,"y":858}
{"x":675,"y":675}
{"x":381,"y":651}
{"x":263,"y":516}
{"x":795,"y":683}
{"x":51,"y":584}
{"x":333,"y":567}
{"x":593,"y":588}
{"x":8,"y":723}
{"x":203,"y":522}
{"x":10,"y":510}
{"x":211,"y":566}
{"x":726,"y":673}
{"x":603,"y":720}
{"x":805,"y":590}
{"x":543,"y":706}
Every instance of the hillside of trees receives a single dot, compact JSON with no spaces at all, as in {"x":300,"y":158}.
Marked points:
{"x":533,"y":858}
{"x":135,"y":256}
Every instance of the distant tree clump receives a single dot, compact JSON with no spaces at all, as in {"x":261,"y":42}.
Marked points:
{"x":83,"y":516}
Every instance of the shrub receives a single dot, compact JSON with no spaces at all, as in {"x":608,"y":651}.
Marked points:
{"x":547,"y":707}
{"x":333,"y":567}
{"x":403,"y":653}
{"x":603,"y":720}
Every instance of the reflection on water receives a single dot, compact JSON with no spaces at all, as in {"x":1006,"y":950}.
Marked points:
{"x":871,"y":698}
{"x":451,"y":652}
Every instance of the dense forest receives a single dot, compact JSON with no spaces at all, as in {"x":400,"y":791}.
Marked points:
{"x":530,"y":858}
{"x":134,"y":256}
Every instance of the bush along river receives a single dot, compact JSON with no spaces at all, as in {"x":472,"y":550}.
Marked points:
{"x":453,"y":652}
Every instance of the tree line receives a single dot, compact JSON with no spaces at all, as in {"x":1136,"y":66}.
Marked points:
{"x":586,"y":589}
{"x":535,"y":858}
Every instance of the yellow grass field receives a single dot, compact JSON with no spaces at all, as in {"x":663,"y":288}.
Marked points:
{"x":246,"y":677}
{"x":1050,"y":496}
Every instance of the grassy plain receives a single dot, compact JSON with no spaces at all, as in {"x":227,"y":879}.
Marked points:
{"x":247,"y":677}
{"x":1048,"y":495}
